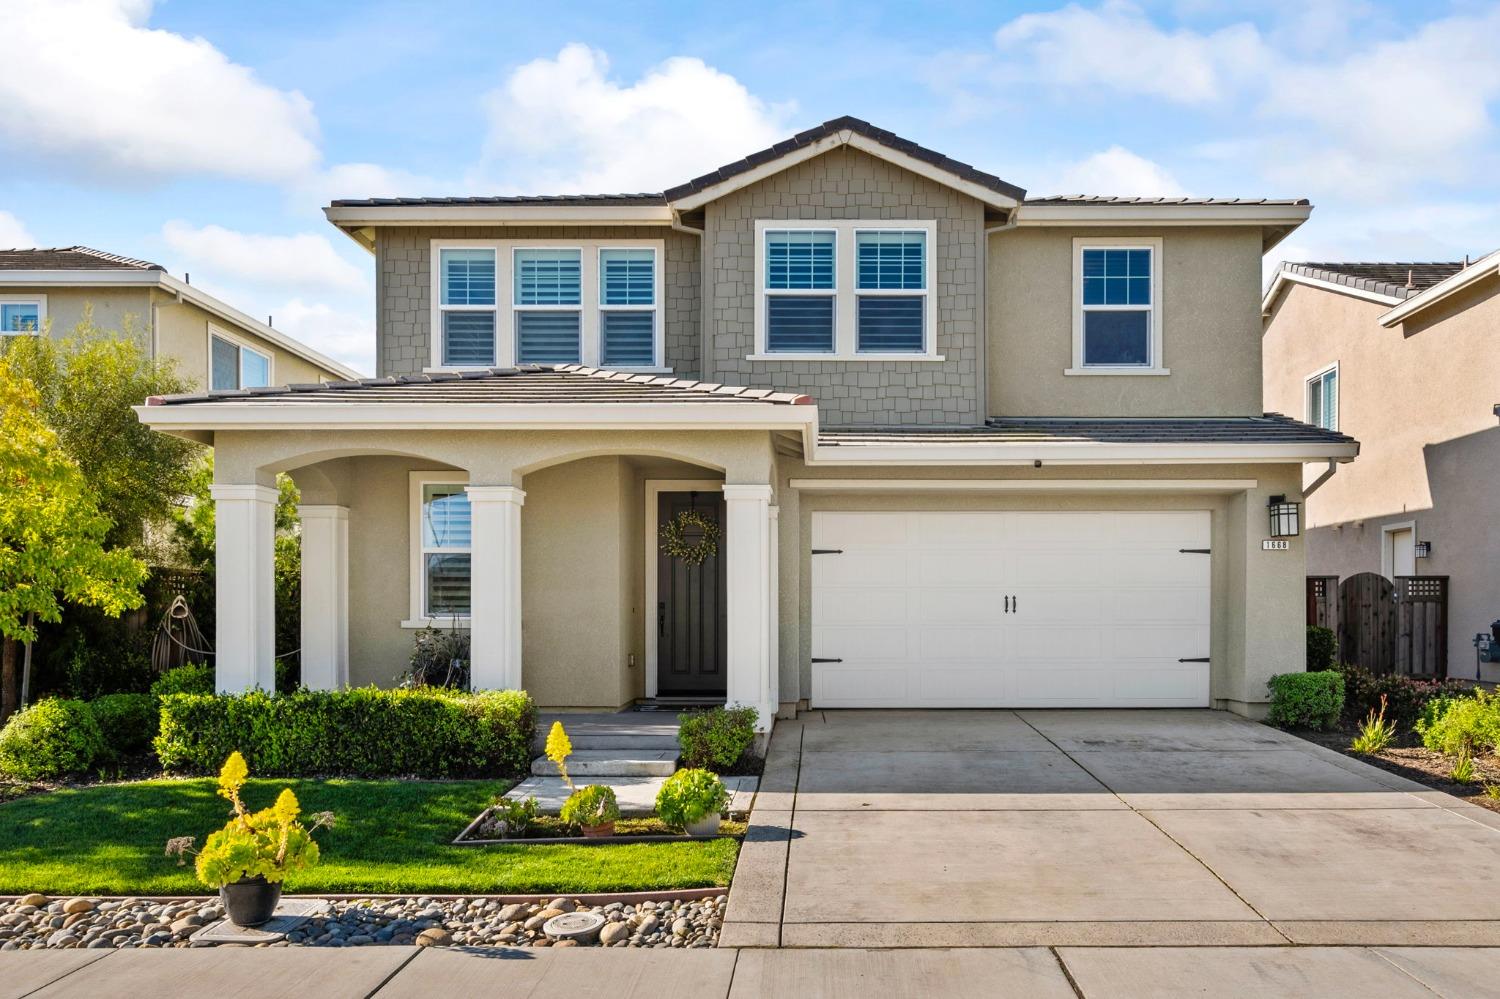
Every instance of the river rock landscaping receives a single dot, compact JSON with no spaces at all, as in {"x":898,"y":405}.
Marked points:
{"x":33,"y":922}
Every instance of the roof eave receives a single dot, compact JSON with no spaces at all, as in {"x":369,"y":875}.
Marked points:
{"x":1080,"y":453}
{"x":1276,"y":222}
{"x":1486,"y":266}
{"x":1284,"y":277}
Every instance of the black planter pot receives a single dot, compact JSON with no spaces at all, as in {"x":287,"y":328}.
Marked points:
{"x":250,"y":901}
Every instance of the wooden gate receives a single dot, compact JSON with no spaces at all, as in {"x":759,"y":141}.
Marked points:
{"x":1367,"y":622}
{"x":1422,"y":625}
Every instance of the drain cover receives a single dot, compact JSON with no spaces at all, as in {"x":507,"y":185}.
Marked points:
{"x":581,"y":926}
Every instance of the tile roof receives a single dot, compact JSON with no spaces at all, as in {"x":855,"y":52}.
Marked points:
{"x":1398,"y":280}
{"x":1105,"y":199}
{"x":70,"y":258}
{"x":860,"y":127}
{"x":547,"y":384}
{"x":508,"y":199}
{"x":1272,"y":428}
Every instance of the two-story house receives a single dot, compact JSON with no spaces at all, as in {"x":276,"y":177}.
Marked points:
{"x":1402,"y":355}
{"x":846,"y":423}
{"x":214,"y":344}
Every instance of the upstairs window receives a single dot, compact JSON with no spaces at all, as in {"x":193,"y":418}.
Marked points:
{"x":627,"y":303}
{"x":800,"y":290}
{"x":1117,"y":319}
{"x":1323,"y":399}
{"x":21,"y":316}
{"x":891,"y":278}
{"x":467,"y":307}
{"x":548,"y":299}
{"x":233,"y":365}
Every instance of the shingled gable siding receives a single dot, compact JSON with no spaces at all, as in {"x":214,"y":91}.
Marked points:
{"x":403,"y":288}
{"x":848,"y":184}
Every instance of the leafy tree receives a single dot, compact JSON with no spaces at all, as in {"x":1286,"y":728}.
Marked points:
{"x":86,"y":385}
{"x":53,"y":538}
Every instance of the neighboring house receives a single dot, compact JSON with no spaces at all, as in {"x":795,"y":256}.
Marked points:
{"x":1403,"y":356}
{"x":963,"y":448}
{"x":214,"y":344}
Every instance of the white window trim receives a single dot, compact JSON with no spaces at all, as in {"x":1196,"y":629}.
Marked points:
{"x":243,"y":345}
{"x":40,"y":301}
{"x":505,"y":309}
{"x":418,"y":617}
{"x":845,"y":294}
{"x":1307,"y":384}
{"x":1152,"y":243}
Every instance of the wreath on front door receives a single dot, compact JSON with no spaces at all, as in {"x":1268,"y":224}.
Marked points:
{"x":675,"y":543}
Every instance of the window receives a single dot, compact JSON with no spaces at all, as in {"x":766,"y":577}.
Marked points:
{"x":1117,"y":314}
{"x":844,"y":290}
{"x":234,"y":365}
{"x":505,"y":302}
{"x":22,"y":315}
{"x":891,"y":277}
{"x":1323,"y":399}
{"x":444,"y":550}
{"x":467,"y":307}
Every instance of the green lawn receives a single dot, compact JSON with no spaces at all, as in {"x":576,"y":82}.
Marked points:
{"x":392,"y":836}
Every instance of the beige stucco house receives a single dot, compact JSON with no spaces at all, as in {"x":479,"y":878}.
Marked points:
{"x":844,"y":423}
{"x":215,"y":345}
{"x":1404,"y":357}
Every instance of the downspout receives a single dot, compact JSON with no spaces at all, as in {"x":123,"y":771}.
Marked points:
{"x":703,"y":353}
{"x":1313,"y":486}
{"x":984,"y":314}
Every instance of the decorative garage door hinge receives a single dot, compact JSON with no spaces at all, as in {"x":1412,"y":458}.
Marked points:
{"x":1203,"y":660}
{"x":828,"y":551}
{"x":1195,"y":551}
{"x":817,"y":660}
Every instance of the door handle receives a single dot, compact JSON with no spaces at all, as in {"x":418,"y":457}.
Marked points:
{"x":1007,"y":604}
{"x":1015,"y":605}
{"x":661,"y":619}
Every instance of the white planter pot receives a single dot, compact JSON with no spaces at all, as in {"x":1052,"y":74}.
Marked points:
{"x":706,"y":826}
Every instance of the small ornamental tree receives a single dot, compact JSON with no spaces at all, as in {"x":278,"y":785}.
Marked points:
{"x":52,"y":535}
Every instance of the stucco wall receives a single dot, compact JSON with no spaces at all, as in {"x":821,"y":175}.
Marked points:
{"x":1420,"y":399}
{"x":403,"y":288}
{"x":848,"y":184}
{"x":1210,"y":327}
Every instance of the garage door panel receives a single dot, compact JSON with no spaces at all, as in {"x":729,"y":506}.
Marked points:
{"x":860,"y":530}
{"x":958,"y":604}
{"x":861,"y":568}
{"x":1036,"y":605}
{"x":1044,"y":642}
{"x":957,"y":568}
{"x":876,"y":605}
{"x":853,"y":644}
{"x":843,"y":685}
{"x":959,"y":687}
{"x":964,"y":531}
{"x":972,"y":643}
{"x":1159,"y":605}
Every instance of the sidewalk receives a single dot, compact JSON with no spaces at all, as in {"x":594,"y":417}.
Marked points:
{"x":1034,"y":972}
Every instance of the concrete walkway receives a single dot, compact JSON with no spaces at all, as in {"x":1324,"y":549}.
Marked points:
{"x":1099,"y":828}
{"x":1034,"y":972}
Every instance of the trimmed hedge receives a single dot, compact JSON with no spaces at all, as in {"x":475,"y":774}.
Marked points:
{"x":50,"y":739}
{"x":1306,"y":700}
{"x":127,"y":721}
{"x":194,"y":678}
{"x":364,"y":732}
{"x":1406,"y":698}
{"x":1322,"y":649}
{"x":715,"y":738}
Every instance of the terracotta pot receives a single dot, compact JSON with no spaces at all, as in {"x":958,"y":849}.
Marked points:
{"x":706,"y":826}
{"x":600,"y":831}
{"x":250,"y":901}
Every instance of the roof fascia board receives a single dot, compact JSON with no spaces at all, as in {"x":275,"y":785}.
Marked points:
{"x":1076,"y":454}
{"x":1023,"y":485}
{"x":1284,"y":277}
{"x":1084,"y":214}
{"x":1486,"y":266}
{"x":117,"y":277}
{"x":358,"y":216}
{"x":844,"y":137}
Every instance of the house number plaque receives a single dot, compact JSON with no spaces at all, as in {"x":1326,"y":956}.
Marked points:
{"x":1275,"y":545}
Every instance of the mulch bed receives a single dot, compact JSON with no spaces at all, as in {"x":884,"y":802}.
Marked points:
{"x":1410,"y":759}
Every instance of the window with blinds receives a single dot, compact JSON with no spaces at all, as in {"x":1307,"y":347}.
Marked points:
{"x":548,"y":296}
{"x":467,"y":306}
{"x":627,"y":300}
{"x":1323,"y":399}
{"x":891,"y":278}
{"x":446,"y":553}
{"x":800,"y":289}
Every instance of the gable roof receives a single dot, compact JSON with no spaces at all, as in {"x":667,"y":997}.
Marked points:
{"x":1393,"y":283}
{"x":1486,"y":266}
{"x":70,"y":258}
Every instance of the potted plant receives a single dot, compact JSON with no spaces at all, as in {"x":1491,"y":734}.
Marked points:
{"x":249,"y":858}
{"x":692,"y":799}
{"x":593,"y":809}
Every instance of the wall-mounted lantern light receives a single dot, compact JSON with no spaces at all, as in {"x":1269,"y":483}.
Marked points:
{"x":1284,"y":517}
{"x":1422,"y":549}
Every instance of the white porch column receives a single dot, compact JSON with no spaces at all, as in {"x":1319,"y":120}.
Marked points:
{"x":747,"y":540}
{"x":495,"y":587}
{"x":773,"y":554}
{"x":244,"y":588}
{"x":325,"y":597}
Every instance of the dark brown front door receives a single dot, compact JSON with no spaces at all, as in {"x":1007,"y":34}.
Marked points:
{"x":691,"y":647}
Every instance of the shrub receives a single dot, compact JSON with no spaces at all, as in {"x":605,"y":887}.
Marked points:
{"x":1376,"y":733}
{"x":194,"y":678}
{"x":1463,"y":726}
{"x":127,"y":721}
{"x":50,"y":739}
{"x":438,"y":659}
{"x":363,"y":732}
{"x":1306,"y":700}
{"x":717,"y":738}
{"x":690,"y":795}
{"x":594,"y":805}
{"x":511,"y":818}
{"x":1405,"y":696}
{"x":1322,"y":649}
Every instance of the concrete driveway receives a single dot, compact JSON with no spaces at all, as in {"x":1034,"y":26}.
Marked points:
{"x":1078,"y":828}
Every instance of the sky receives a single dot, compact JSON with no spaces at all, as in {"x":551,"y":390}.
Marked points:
{"x":208,"y":135}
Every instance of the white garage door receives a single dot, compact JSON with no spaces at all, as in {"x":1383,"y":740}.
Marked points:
{"x":1010,"y":609}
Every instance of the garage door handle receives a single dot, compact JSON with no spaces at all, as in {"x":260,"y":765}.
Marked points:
{"x":817,"y":660}
{"x":1203,"y":660}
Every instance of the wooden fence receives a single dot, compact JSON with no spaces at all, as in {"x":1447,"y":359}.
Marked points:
{"x":1387,"y":627}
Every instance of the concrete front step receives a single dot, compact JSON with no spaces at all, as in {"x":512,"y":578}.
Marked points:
{"x":629,"y":744}
{"x":612,"y":763}
{"x":631,"y":731}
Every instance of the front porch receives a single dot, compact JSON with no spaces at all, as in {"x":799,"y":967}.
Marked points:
{"x":542,"y":545}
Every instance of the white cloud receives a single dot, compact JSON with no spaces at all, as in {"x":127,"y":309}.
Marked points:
{"x":303,"y":261}
{"x":563,"y":125}
{"x":1118,"y":171}
{"x":344,"y":335}
{"x":1118,"y":46}
{"x":86,"y":82}
{"x":13,"y":233}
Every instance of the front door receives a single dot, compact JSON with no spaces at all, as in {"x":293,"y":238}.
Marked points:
{"x":690,"y":611}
